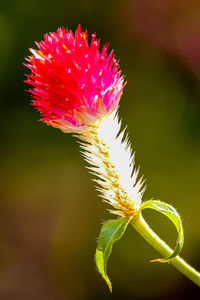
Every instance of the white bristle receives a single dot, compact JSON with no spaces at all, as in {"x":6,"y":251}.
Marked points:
{"x":108,"y":151}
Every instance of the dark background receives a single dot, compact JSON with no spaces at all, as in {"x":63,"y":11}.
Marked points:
{"x":50,"y":214}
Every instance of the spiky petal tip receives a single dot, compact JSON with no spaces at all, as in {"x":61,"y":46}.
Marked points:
{"x":74,"y":83}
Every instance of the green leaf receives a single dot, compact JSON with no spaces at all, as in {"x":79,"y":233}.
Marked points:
{"x":173,"y":215}
{"x":111,"y":231}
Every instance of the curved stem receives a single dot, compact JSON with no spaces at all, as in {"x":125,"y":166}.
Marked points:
{"x":147,"y":233}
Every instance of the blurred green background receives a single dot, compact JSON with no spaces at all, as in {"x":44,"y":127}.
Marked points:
{"x":50,"y":214}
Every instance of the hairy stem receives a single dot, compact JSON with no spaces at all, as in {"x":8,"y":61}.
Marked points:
{"x":149,"y":235}
{"x":109,"y":154}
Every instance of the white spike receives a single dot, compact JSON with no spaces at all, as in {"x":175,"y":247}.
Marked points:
{"x":108,"y":151}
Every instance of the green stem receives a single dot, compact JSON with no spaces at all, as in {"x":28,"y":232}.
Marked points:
{"x":147,"y":233}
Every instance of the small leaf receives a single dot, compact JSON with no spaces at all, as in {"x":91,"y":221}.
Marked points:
{"x":173,"y":215}
{"x":111,"y":231}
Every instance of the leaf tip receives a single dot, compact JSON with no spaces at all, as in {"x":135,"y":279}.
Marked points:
{"x":109,"y":284}
{"x":162,"y":260}
{"x":156,"y":260}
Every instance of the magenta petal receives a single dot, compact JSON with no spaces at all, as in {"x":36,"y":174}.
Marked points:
{"x":73,"y":83}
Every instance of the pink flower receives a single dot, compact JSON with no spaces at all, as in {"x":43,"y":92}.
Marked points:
{"x":74,"y":83}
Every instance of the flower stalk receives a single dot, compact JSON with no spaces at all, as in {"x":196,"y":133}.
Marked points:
{"x":153,"y":239}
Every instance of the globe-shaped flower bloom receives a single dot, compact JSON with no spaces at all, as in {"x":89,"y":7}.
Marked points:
{"x":74,"y":83}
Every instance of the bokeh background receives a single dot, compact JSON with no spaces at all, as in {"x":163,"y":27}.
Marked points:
{"x":50,"y":214}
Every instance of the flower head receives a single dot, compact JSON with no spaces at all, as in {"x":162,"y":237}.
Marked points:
{"x":74,"y":83}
